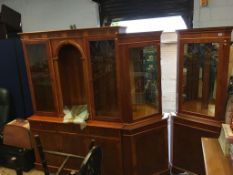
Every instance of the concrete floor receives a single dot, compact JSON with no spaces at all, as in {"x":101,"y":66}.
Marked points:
{"x":6,"y":171}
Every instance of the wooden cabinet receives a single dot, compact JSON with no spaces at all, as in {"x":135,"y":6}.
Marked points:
{"x":202,"y":93}
{"x":116,"y":76}
{"x":216,"y":163}
{"x":69,"y":138}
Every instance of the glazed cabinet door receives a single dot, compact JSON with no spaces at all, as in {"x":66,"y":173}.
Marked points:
{"x":40,"y":75}
{"x":202,"y":93}
{"x":143,"y":68}
{"x":103,"y":66}
{"x":203,"y":79}
{"x":139,"y":55}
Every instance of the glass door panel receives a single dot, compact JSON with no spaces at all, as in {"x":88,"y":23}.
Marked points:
{"x":199,"y":78}
{"x":38,"y":61}
{"x":103,"y":66}
{"x":143,"y":71}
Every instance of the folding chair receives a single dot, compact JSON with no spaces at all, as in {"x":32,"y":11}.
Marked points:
{"x":91,"y":164}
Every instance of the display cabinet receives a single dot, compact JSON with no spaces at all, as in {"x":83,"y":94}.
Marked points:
{"x":112,"y":75}
{"x":203,"y":64}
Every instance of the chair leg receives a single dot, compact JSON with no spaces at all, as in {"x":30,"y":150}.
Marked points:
{"x":15,"y":162}
{"x":91,"y":144}
{"x":19,"y":172}
{"x":41,"y":154}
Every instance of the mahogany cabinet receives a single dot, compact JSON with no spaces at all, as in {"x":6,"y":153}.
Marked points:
{"x":216,"y":163}
{"x":117,"y":76}
{"x":203,"y":62}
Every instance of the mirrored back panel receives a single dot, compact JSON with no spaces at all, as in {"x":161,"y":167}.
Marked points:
{"x":199,"y":77}
{"x":143,"y":81}
{"x":71,"y":76}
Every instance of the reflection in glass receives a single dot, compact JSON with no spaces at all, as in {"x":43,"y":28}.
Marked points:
{"x":199,"y":78}
{"x":143,"y":81}
{"x":38,"y":61}
{"x":104,"y":77}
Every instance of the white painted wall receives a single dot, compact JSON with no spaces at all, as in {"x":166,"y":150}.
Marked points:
{"x":217,"y":13}
{"x":168,"y":71}
{"x":42,"y":15}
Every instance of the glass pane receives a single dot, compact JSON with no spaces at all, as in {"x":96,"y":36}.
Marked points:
{"x":38,"y":61}
{"x":143,"y":81}
{"x":104,"y":77}
{"x":199,"y":78}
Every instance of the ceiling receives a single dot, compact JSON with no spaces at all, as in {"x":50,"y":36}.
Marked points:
{"x":115,"y":10}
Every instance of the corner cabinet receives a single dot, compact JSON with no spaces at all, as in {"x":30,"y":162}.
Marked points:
{"x":117,"y":77}
{"x":202,"y":93}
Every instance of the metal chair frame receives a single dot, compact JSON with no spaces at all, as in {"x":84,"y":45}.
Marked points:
{"x":84,"y":169}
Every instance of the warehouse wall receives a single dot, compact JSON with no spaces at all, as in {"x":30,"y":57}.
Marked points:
{"x":41,"y":15}
{"x":60,"y":14}
{"x":168,"y":71}
{"x":217,"y":13}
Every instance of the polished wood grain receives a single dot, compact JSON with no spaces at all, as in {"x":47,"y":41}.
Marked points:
{"x":193,"y":121}
{"x":215,"y":161}
{"x":136,"y":146}
{"x":220,"y":35}
{"x":72,"y":82}
{"x":144,"y":142}
{"x":197,"y":106}
{"x":187,"y":150}
{"x":106,"y":31}
{"x":140,"y":111}
{"x":69,"y":138}
{"x":127,"y":42}
{"x":82,"y":71}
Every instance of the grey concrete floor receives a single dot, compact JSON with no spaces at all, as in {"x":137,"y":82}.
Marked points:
{"x":7,"y":171}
